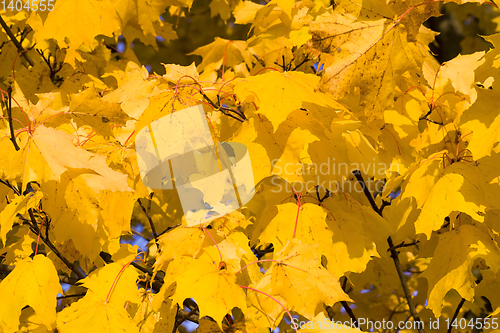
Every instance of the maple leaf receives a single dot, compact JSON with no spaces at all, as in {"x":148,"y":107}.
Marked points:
{"x":8,"y":215}
{"x":311,"y":226}
{"x":77,"y":20}
{"x":215,"y":291}
{"x":290,"y":91}
{"x":370,"y":37}
{"x":40,"y":282}
{"x":95,"y":315}
{"x":453,"y":258}
{"x":462,"y":189}
{"x":229,"y":52}
{"x":298,"y":276}
{"x":185,"y":241}
{"x":146,"y":320}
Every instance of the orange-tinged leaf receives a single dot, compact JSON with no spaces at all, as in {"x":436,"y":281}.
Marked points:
{"x":450,"y":268}
{"x":302,"y":281}
{"x":215,"y":291}
{"x":34,"y":282}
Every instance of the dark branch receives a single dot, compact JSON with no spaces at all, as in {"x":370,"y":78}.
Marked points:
{"x":366,"y":191}
{"x":68,"y":296}
{"x":394,"y":253}
{"x":15,"y":41}
{"x":404,"y":284}
{"x":9,"y":116}
{"x":403,"y":244}
{"x":34,"y":228}
{"x":455,"y":315}
{"x":9,"y":185}
{"x":153,"y":229}
{"x":346,"y":307}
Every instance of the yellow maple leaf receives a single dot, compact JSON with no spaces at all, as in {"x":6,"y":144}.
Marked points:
{"x":34,"y":282}
{"x":298,"y":277}
{"x":95,"y":315}
{"x":289,"y":91}
{"x":450,"y":268}
{"x":182,"y":241}
{"x":8,"y":215}
{"x":460,"y":189}
{"x":368,"y":36}
{"x":277,"y":225}
{"x":215,"y":291}
{"x":78,"y":21}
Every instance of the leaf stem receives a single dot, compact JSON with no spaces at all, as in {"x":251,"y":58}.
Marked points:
{"x":215,"y":243}
{"x":254,"y":262}
{"x":15,"y":41}
{"x":274,"y":299}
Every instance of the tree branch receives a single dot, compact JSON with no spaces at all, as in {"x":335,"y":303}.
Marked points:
{"x":455,"y":315}
{"x":366,"y":191}
{"x":404,"y":284}
{"x":403,"y":244}
{"x":9,"y":116}
{"x":346,"y":306}
{"x":394,"y":254}
{"x":153,"y":229}
{"x":34,"y":227}
{"x":18,"y":45}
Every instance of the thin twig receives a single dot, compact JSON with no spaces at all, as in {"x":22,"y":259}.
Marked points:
{"x":68,"y":296}
{"x":9,"y":185}
{"x":404,"y":284}
{"x":366,"y":191}
{"x":18,"y":45}
{"x":455,"y":315}
{"x":346,"y":307}
{"x":183,"y":319}
{"x":394,"y":255}
{"x":34,"y":227}
{"x":153,"y":229}
{"x":403,"y":244}
{"x":9,"y":116}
